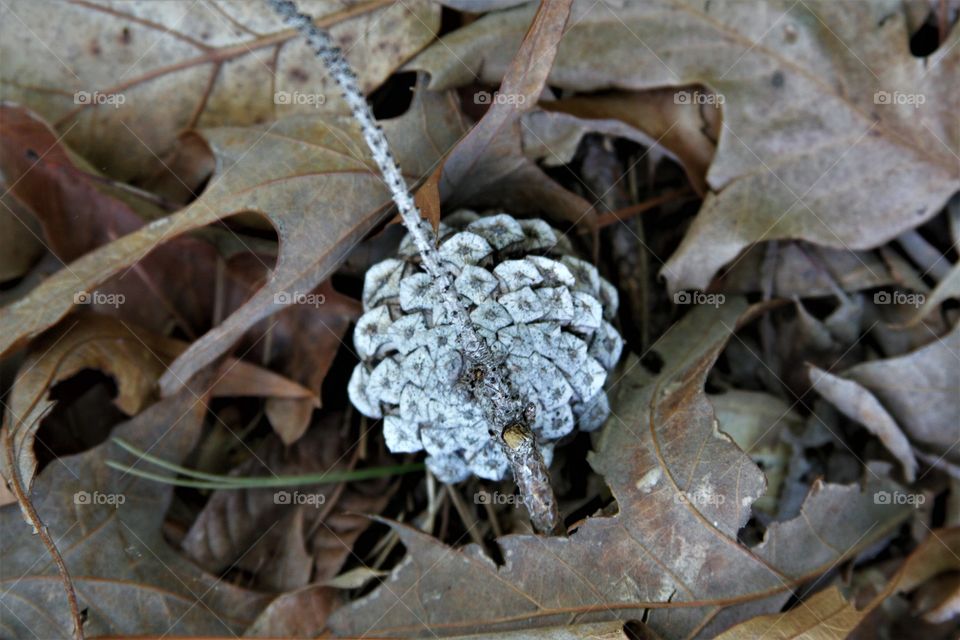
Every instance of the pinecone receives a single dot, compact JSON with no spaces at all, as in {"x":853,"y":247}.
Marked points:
{"x":544,"y":313}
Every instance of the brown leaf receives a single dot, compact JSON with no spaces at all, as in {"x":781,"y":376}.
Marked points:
{"x":825,"y":615}
{"x":242,"y":379}
{"x":79,"y":215}
{"x":76,"y":214}
{"x":861,"y":405}
{"x":919,"y":389}
{"x":803,"y":270}
{"x":107,"y":525}
{"x":824,"y":135}
{"x":683,"y":490}
{"x":179,"y":65}
{"x":133,"y":357}
{"x":89,"y":342}
{"x":304,"y":342}
{"x":20,"y":242}
{"x":427,"y":199}
{"x":828,"y":614}
{"x":687,"y":132}
{"x":318,"y":191}
{"x":757,"y":422}
{"x":297,"y":614}
{"x":232,"y":521}
{"x":487,"y":167}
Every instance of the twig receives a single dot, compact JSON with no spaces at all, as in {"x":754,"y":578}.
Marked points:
{"x":33,"y":518}
{"x":496,"y":397}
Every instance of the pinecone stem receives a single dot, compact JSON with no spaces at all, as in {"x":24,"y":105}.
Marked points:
{"x":499,"y":402}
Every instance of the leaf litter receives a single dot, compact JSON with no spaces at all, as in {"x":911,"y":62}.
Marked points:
{"x":189,"y":214}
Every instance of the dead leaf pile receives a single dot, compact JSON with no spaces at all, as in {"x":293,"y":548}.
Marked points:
{"x":187,"y":214}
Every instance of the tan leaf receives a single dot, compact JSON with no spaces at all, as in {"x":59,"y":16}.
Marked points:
{"x":232,"y":521}
{"x":825,"y":616}
{"x":120,"y":82}
{"x":687,"y":132}
{"x":318,"y":191}
{"x":487,"y":168}
{"x":861,"y":405}
{"x":20,"y":242}
{"x":919,"y":389}
{"x":588,"y":631}
{"x":90,"y":342}
{"x":833,"y":131}
{"x":683,"y":490}
{"x":107,"y":525}
{"x":296,"y":614}
{"x":828,"y":615}
{"x":133,"y":357}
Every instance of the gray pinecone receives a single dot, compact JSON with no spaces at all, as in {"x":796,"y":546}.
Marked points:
{"x":544,"y":313}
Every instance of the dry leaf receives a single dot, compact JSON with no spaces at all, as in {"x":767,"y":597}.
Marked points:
{"x":919,"y":389}
{"x":20,"y":243}
{"x":133,"y":357}
{"x":861,"y":405}
{"x":487,"y":168}
{"x":107,"y":525}
{"x":232,"y":521}
{"x":845,"y":140}
{"x":79,"y":215}
{"x":355,"y":578}
{"x":120,"y":82}
{"x":946,"y":289}
{"x":683,"y":490}
{"x":687,"y":132}
{"x":757,"y":421}
{"x":828,"y":614}
{"x":296,"y":614}
{"x":588,"y":631}
{"x":805,"y":271}
{"x":320,"y":194}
